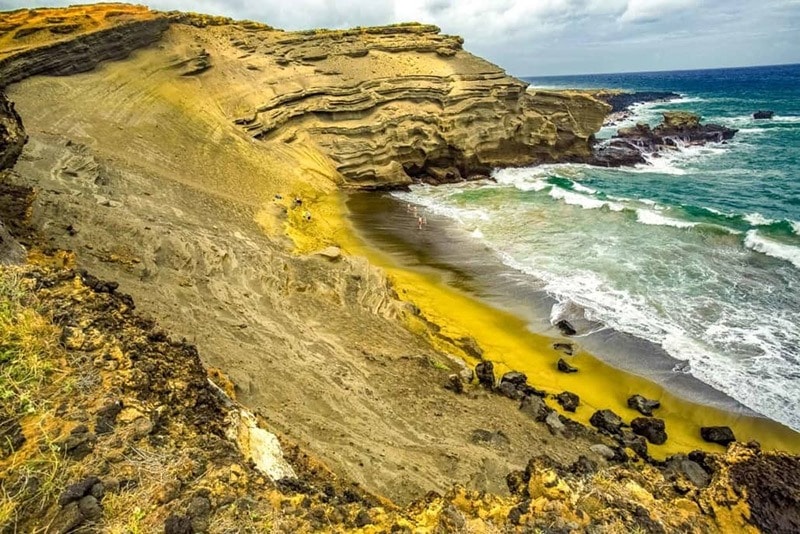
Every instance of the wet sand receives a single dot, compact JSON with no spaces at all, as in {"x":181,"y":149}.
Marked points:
{"x":460,"y":286}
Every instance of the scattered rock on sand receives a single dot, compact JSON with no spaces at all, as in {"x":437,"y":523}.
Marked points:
{"x":331,"y":253}
{"x":643,"y":405}
{"x":568,"y":400}
{"x":653,"y":429}
{"x":554,"y":424}
{"x":693,"y":471}
{"x":566,"y":327}
{"x":635,"y":442}
{"x":564,"y":367}
{"x":495,"y":438}
{"x":515,"y":377}
{"x":566,"y":348}
{"x":606,"y":420}
{"x":466,"y":375}
{"x":512,"y":391}
{"x":763,"y":114}
{"x":718,"y":434}
{"x":454,"y":384}
{"x":603,"y":450}
{"x":535,"y":408}
{"x":513,"y":385}
{"x":485,"y":373}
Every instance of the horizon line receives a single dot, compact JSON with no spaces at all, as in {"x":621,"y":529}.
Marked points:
{"x":605,"y":73}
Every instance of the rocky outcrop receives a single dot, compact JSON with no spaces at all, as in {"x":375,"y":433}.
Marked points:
{"x":631,"y":146}
{"x":12,"y":134}
{"x":622,"y":101}
{"x":760,"y":115}
{"x":121,"y":30}
{"x":387,"y":119}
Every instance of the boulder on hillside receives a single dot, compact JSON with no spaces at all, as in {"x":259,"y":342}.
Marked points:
{"x":485,"y":373}
{"x":535,"y":408}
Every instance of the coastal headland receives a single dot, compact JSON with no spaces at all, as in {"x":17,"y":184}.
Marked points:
{"x":211,"y":336}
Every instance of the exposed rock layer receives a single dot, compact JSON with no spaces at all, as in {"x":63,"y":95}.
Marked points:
{"x":82,"y":52}
{"x":395,"y":103}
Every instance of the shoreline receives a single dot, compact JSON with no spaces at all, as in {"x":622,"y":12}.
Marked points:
{"x":507,"y":339}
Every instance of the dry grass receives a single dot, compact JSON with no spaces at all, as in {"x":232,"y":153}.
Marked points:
{"x":28,"y":353}
{"x":29,"y":368}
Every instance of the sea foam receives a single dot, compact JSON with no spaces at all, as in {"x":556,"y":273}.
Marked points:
{"x":585,"y":202}
{"x":782,"y":251}
{"x":656,"y":219}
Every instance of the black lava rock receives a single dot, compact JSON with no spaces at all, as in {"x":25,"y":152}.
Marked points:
{"x":564,"y":367}
{"x":606,"y":420}
{"x":568,"y":400}
{"x":718,"y":434}
{"x":651,"y":428}
{"x":485,"y":373}
{"x":642,"y":405}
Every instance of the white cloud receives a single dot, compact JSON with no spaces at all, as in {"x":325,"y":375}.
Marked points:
{"x":653,"y":10}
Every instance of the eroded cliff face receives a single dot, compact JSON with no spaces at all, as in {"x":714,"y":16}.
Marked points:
{"x":400,"y":102}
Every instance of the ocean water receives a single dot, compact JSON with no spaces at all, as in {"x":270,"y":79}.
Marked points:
{"x":697,"y":252}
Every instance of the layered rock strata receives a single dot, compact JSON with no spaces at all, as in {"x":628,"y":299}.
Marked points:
{"x":388,"y":104}
{"x":396,"y":103}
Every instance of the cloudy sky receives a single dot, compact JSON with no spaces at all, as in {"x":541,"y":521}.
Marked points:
{"x":543,"y":37}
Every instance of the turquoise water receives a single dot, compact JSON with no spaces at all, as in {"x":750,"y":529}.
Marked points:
{"x":698,"y":251}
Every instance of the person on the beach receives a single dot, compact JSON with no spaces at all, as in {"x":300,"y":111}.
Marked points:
{"x":419,"y":222}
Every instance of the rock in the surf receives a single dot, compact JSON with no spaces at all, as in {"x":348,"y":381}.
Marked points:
{"x":643,"y":405}
{"x":606,"y":420}
{"x":485,"y":373}
{"x":763,"y":114}
{"x":535,"y":408}
{"x":651,"y":428}
{"x":568,"y":400}
{"x":564,"y":367}
{"x":718,"y":434}
{"x":630,"y":145}
{"x":566,"y":327}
